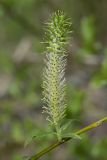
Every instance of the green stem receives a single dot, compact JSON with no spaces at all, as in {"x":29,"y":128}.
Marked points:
{"x":58,"y":132}
{"x":65,"y":139}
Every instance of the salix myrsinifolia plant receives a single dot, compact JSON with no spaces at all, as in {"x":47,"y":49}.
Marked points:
{"x":54,"y":83}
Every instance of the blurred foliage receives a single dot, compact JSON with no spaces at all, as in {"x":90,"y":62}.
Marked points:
{"x":22,"y":26}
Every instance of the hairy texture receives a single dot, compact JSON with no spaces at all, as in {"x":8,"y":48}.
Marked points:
{"x":58,"y":30}
{"x":54,"y":87}
{"x":54,"y":84}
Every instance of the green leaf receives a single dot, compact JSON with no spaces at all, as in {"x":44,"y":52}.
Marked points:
{"x":75,"y":136}
{"x":71,"y":135}
{"x":37,"y":136}
{"x":29,"y":140}
{"x":66,"y":123}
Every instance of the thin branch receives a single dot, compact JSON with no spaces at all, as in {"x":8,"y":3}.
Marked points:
{"x":65,"y":139}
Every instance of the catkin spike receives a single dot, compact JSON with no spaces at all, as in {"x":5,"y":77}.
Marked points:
{"x":54,"y":83}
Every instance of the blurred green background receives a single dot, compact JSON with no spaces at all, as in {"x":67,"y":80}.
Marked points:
{"x":22,"y":25}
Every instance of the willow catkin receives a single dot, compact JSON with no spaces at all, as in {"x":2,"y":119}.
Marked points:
{"x":54,"y":82}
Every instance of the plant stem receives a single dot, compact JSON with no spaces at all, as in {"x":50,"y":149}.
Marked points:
{"x":58,"y":132}
{"x":65,"y":139}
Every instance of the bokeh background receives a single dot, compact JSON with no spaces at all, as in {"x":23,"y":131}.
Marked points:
{"x":22,"y":27}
